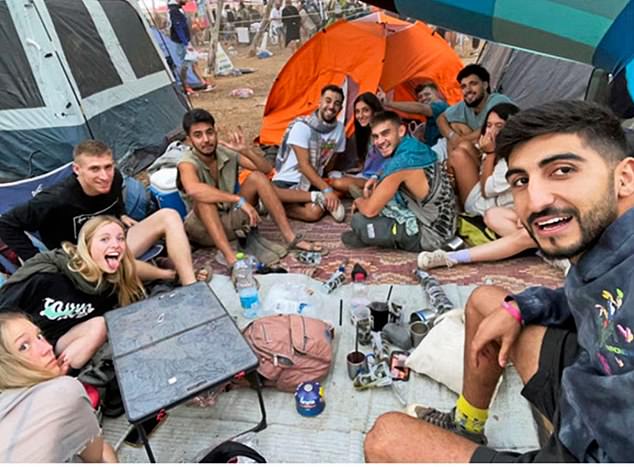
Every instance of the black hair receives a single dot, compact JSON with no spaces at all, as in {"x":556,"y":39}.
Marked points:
{"x":422,"y":86}
{"x":362,"y":134}
{"x":596,"y":125}
{"x":386,"y":116}
{"x":333,"y":88}
{"x":196,"y":116}
{"x":503,"y":110}
{"x":478,"y":70}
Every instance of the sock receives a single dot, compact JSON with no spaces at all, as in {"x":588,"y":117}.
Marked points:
{"x":460,"y":256}
{"x":469,"y":417}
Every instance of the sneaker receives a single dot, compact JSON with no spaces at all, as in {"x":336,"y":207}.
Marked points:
{"x":338,"y":214}
{"x":444,"y":420}
{"x":434,"y":259}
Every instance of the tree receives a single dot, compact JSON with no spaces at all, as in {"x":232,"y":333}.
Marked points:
{"x":264,"y":25}
{"x":213,"y":43}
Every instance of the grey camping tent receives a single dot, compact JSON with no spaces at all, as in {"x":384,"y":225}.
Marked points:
{"x":76,"y":69}
{"x":531,"y":79}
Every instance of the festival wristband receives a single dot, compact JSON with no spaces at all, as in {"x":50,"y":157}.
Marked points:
{"x":241,"y":202}
{"x":451,"y":134}
{"x":512,"y":310}
{"x":325,"y":191}
{"x":374,"y":176}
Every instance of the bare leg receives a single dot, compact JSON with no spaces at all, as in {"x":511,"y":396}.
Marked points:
{"x":210,"y":218}
{"x":502,"y":221}
{"x":465,"y":171}
{"x":394,"y":438}
{"x":502,"y":248}
{"x":344,"y":183}
{"x":298,"y":205}
{"x":257,"y":185}
{"x":165,"y":223}
{"x":82,"y":341}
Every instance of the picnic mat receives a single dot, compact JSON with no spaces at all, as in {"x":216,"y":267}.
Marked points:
{"x":337,"y":434}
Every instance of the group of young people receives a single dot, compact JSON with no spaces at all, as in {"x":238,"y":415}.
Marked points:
{"x":556,"y":176}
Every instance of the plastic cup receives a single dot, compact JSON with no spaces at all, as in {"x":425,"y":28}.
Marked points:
{"x":380,"y":314}
{"x":357,"y":363}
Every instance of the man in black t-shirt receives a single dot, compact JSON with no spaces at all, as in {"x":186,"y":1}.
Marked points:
{"x":58,"y":213}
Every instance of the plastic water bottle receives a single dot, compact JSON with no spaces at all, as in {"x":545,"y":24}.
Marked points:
{"x":336,"y":279}
{"x":359,"y":299}
{"x":246,"y":286}
{"x":439,"y":301}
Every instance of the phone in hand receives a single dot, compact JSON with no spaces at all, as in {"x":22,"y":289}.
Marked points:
{"x":398,"y":370}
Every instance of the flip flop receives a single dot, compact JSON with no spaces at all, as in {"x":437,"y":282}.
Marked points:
{"x":293,"y":245}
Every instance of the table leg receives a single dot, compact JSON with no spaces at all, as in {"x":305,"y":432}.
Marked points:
{"x":262,"y":425}
{"x":146,"y":443}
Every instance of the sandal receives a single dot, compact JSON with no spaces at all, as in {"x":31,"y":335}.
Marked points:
{"x":313,"y":248}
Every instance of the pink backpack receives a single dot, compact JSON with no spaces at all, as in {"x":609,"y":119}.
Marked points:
{"x":292,"y":349}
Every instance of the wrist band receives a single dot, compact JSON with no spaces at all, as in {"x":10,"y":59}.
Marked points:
{"x":450,"y":134}
{"x":241,"y":202}
{"x":376,"y":176}
{"x":327,"y":190}
{"x":512,"y":310}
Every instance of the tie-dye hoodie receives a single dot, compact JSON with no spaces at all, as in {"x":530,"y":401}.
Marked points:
{"x":597,"y":391}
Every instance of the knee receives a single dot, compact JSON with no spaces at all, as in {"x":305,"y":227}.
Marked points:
{"x":313,"y":213}
{"x":357,"y":222}
{"x":98,"y":332}
{"x":489,"y":218}
{"x":383,"y":437}
{"x":169,"y":217}
{"x":481,"y":300}
{"x":257,"y":178}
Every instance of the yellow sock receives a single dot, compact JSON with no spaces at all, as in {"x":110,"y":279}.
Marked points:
{"x":469,"y":417}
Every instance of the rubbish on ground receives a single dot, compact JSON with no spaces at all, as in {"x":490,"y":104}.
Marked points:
{"x":337,"y":278}
{"x":295,"y":298}
{"x":309,"y":257}
{"x":309,"y":399}
{"x":242,"y":93}
{"x":264,"y":53}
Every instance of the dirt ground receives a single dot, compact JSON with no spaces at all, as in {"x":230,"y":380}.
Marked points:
{"x":229,"y":111}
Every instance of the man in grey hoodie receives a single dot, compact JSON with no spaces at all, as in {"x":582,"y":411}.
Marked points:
{"x":573,"y":186}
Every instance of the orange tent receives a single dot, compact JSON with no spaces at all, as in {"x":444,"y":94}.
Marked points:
{"x":360,"y":55}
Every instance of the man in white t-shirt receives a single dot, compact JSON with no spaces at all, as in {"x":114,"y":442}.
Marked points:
{"x":309,"y":145}
{"x":277,"y":28}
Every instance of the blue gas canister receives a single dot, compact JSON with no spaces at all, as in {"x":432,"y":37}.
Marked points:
{"x":309,"y":399}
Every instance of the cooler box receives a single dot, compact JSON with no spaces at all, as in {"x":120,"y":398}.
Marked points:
{"x":163,"y":190}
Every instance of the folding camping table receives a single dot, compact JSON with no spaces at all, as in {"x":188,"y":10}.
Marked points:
{"x":171,"y":347}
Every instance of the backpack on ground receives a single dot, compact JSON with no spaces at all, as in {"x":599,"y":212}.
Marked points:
{"x":292,"y":349}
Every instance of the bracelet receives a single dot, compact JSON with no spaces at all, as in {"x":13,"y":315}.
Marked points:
{"x":375,"y":176}
{"x":325,"y":191}
{"x":451,"y":134}
{"x":512,"y":310}
{"x":241,"y":202}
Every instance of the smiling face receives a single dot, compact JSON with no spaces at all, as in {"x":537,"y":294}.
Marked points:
{"x":473,"y":90}
{"x":564,"y":193}
{"x":26,"y":340}
{"x":94,"y":173}
{"x":330,"y":105}
{"x":427,"y":95}
{"x":203,"y":138}
{"x":107,"y":247}
{"x":363,"y":113}
{"x":386,"y":136}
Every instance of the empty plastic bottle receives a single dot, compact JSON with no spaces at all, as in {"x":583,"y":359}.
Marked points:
{"x":439,"y":301}
{"x":246,"y":286}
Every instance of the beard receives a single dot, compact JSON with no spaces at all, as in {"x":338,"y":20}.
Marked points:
{"x":476,"y":102}
{"x":592,"y":224}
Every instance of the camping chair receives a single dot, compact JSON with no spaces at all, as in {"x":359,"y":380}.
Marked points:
{"x":15,"y":193}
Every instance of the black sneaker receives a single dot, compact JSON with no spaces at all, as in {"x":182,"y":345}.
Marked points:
{"x":445,"y":420}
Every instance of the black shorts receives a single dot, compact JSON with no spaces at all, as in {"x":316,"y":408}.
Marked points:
{"x":559,"y":350}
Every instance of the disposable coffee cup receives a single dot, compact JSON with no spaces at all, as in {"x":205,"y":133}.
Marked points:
{"x":357,"y":363}
{"x":380,"y":314}
{"x":417,"y":331}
